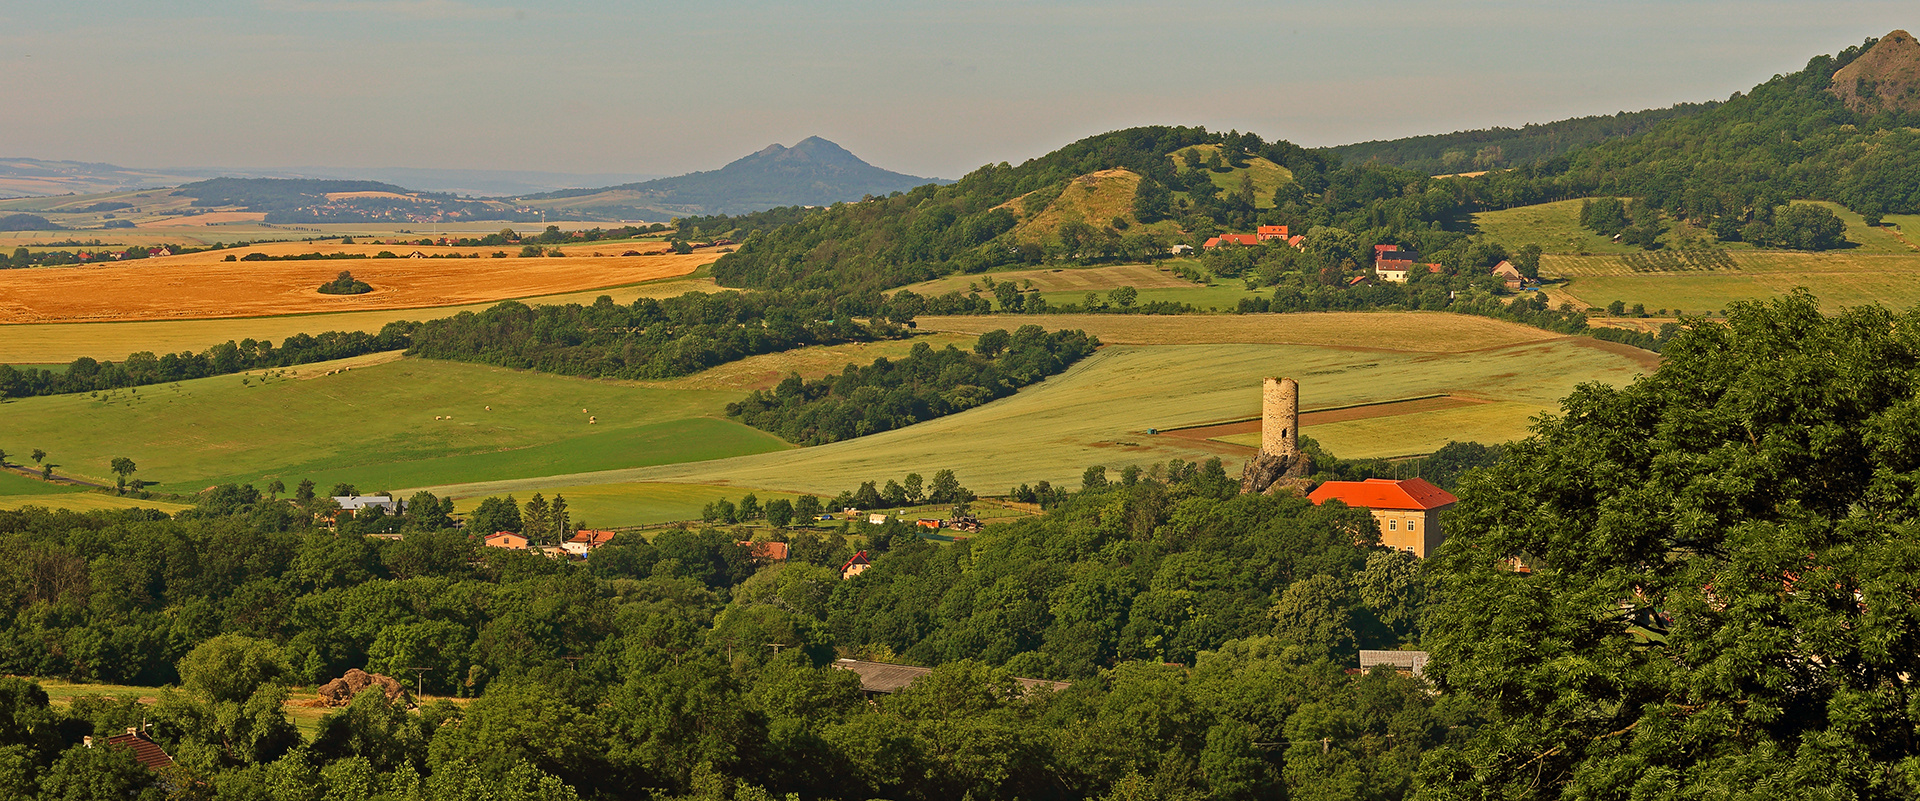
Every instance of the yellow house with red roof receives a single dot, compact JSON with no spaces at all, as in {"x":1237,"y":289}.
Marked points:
{"x":1408,"y":511}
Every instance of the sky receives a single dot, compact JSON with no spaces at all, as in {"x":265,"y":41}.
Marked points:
{"x":934,"y":89}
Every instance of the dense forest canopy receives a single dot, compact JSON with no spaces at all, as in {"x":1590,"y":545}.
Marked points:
{"x":1500,"y":148}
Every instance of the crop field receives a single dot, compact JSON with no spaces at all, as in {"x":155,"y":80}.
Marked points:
{"x":198,"y":286}
{"x":403,"y":423}
{"x":767,"y":370}
{"x":59,"y":343}
{"x":1065,"y":279}
{"x":1845,"y":278}
{"x":1099,"y":411}
{"x":1443,"y":332}
{"x":1411,"y":434}
{"x":87,"y":502}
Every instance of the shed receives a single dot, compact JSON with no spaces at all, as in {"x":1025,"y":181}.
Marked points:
{"x":1410,"y":662}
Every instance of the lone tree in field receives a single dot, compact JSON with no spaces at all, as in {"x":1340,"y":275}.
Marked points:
{"x":345,"y":284}
{"x":38,"y":455}
{"x":122,"y":467}
{"x":1719,"y":585}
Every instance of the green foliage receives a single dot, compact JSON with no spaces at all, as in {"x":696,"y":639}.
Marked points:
{"x":1706,"y":546}
{"x":927,"y":384}
{"x":345,"y":284}
{"x":230,"y":666}
{"x":1494,"y":148}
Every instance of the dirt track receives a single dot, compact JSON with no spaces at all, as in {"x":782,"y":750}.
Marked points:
{"x":200,"y":286}
{"x":1311,"y":418}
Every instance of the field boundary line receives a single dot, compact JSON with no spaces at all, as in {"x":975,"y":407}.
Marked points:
{"x":1342,"y":407}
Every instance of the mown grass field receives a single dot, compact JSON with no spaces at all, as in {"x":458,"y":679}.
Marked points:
{"x":60,"y":343}
{"x":767,"y":370}
{"x":1417,"y":433}
{"x":88,"y":502}
{"x":12,"y":483}
{"x":1099,"y":411}
{"x":1441,"y":332}
{"x":1059,"y":279}
{"x":375,"y":427}
{"x":1838,"y":278}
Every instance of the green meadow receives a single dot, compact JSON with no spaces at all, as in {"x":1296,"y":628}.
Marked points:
{"x":1100,"y":410}
{"x":12,"y":483}
{"x":375,"y":427}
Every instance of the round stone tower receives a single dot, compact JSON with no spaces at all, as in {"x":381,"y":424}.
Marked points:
{"x":1280,"y":417}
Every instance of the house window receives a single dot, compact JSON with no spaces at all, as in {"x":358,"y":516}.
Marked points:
{"x":1393,"y":525}
{"x":1409,"y":525}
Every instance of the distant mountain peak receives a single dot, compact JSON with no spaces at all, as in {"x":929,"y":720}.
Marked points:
{"x":1886,"y":77}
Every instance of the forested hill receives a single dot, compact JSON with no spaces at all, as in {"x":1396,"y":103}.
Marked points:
{"x":1499,"y":148}
{"x":814,"y":172}
{"x":938,"y":230}
{"x":1789,"y":138}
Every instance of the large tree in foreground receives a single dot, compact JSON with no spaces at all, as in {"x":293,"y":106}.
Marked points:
{"x":1724,"y":595}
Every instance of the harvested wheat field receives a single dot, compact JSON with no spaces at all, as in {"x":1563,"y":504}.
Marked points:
{"x":199,"y":286}
{"x":1424,"y":332}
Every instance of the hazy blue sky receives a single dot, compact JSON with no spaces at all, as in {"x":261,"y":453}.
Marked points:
{"x":929,"y":88}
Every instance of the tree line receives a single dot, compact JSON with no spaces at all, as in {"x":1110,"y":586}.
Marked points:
{"x":645,"y":672}
{"x":87,"y":374}
{"x":928,"y":383}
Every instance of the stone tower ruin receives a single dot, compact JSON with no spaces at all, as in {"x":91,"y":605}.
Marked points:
{"x":1279,"y":466}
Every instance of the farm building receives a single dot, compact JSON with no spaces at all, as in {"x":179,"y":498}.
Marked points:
{"x":1408,"y":511}
{"x":1412,"y":663}
{"x":768,"y":551}
{"x":881,"y":678}
{"x":584,"y":541}
{"x":145,"y":750}
{"x":507,"y":540}
{"x":1392,"y":264}
{"x":1506,"y":270}
{"x":930,"y":522}
{"x":354,"y":503}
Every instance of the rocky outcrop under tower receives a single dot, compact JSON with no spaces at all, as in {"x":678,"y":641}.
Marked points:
{"x":1280,"y":466}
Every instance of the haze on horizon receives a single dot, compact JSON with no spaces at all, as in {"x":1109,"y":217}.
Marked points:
{"x":931,"y":89}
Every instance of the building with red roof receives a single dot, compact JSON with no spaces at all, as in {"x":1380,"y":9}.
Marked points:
{"x":1408,"y":511}
{"x":1232,"y":239}
{"x":584,"y":541}
{"x":1266,"y":232}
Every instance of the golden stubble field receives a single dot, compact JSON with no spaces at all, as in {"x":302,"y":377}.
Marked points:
{"x":202,"y":286}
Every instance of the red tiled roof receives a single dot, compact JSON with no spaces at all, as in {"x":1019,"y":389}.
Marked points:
{"x":1384,"y":493}
{"x":1233,"y":239}
{"x":1266,"y":232}
{"x":857,"y":559}
{"x":1356,"y":279}
{"x":771,"y":551}
{"x":1379,"y":249}
{"x":592,"y":537}
{"x":148,"y":752}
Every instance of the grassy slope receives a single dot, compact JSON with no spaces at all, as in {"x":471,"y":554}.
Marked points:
{"x":374,"y":427}
{"x":1098,"y":411}
{"x":64,"y":342}
{"x":1267,"y":176}
{"x":88,"y":502}
{"x":12,"y":483}
{"x":1095,"y":199}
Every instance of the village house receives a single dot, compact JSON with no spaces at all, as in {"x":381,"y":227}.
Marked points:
{"x":507,"y":540}
{"x":354,"y":503}
{"x":585,"y":541}
{"x":1408,"y":511}
{"x":1510,"y":273}
{"x":1392,"y":264}
{"x":855,"y":565}
{"x":1264,"y":233}
{"x":768,"y":551}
